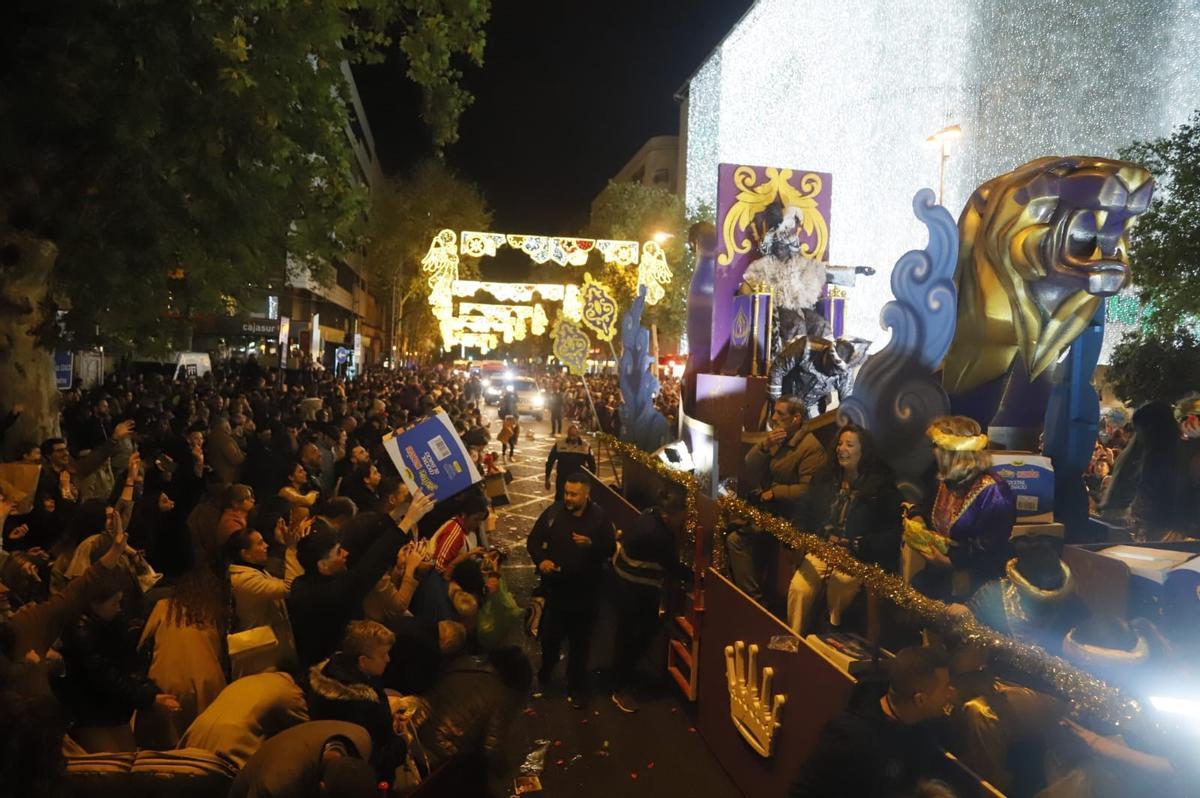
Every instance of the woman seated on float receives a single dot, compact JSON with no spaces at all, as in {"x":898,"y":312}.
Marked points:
{"x":852,"y":502}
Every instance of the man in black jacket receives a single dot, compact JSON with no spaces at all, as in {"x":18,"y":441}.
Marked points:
{"x":330,"y":593}
{"x":572,"y":455}
{"x":881,"y":744}
{"x":570,"y":543}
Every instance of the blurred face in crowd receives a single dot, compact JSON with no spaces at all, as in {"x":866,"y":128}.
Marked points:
{"x":373,"y":477}
{"x":195,"y":440}
{"x":334,"y":562}
{"x":938,"y":699}
{"x":33,"y":456}
{"x":359,"y":455}
{"x":60,"y":456}
{"x":376,"y":661}
{"x":109,"y":608}
{"x":298,"y":476}
{"x":256,"y":554}
{"x":575,"y":496}
{"x":310,"y":455}
{"x":849,"y":451}
{"x":573,"y":433}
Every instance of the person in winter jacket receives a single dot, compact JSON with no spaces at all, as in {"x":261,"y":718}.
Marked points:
{"x":853,"y":502}
{"x":260,"y":599}
{"x":314,"y":758}
{"x":348,"y":687}
{"x":569,"y":544}
{"x":646,"y":557}
{"x":569,"y":455}
{"x":330,"y":594}
{"x":472,"y":706}
{"x":781,"y":467}
{"x":102,"y":684}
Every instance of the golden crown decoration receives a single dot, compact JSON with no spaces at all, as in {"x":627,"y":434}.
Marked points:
{"x":957,"y":443}
{"x":754,"y":712}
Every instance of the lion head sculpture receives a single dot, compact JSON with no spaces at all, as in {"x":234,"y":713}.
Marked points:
{"x":1040,"y":249}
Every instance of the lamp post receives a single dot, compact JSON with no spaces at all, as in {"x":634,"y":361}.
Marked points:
{"x":943,"y":138}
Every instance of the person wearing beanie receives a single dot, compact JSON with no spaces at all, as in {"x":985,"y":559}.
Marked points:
{"x":330,"y":593}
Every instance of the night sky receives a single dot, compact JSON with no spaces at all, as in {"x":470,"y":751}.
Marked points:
{"x":564,"y":99}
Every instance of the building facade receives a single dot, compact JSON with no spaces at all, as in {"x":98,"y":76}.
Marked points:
{"x":855,"y":89}
{"x":656,"y":163}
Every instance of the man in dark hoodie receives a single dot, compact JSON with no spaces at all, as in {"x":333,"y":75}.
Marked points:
{"x":330,"y":593}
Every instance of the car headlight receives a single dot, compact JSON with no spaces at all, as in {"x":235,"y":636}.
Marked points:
{"x":487,"y":382}
{"x":493,"y":390}
{"x":538,"y":400}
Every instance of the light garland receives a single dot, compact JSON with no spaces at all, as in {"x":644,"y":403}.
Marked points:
{"x":511,"y":292}
{"x":653,"y":271}
{"x":538,"y":322}
{"x":1089,"y":696}
{"x":440,"y":266}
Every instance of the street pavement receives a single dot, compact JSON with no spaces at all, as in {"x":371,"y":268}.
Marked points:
{"x":598,"y":751}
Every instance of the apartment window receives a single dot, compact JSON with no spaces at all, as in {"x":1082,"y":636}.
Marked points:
{"x":662,"y":177}
{"x":346,"y":278}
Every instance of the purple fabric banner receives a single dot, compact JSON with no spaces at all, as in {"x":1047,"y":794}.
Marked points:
{"x":744,"y":193}
{"x":738,"y":361}
{"x":762,"y":333}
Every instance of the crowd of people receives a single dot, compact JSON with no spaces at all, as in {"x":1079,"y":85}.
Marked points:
{"x":968,"y":547}
{"x":233,"y":564}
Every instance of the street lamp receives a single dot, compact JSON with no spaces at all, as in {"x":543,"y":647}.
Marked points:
{"x":943,"y":138}
{"x":661,"y":237}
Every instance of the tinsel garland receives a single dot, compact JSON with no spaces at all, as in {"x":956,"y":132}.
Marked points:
{"x":1089,"y":696}
{"x":682,"y":478}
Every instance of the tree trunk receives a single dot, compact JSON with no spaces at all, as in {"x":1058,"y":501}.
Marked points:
{"x":26,"y":366}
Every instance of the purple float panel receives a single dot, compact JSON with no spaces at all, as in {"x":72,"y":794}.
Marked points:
{"x":744,"y":196}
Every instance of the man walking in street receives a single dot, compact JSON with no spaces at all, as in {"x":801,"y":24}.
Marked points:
{"x":569,"y":544}
{"x":571,"y":456}
{"x":554,"y":403}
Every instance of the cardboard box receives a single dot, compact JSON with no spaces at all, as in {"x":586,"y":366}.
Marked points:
{"x":1031,"y":479}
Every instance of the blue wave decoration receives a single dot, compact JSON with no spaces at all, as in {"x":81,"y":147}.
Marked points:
{"x":896,"y":393}
{"x":641,"y":423}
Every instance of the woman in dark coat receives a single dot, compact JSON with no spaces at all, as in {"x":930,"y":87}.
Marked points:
{"x":103,"y":682}
{"x":853,"y":502}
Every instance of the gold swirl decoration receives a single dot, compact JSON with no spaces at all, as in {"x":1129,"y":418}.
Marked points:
{"x":1089,"y":696}
{"x":599,"y":308}
{"x":753,"y":198}
{"x":571,"y":345}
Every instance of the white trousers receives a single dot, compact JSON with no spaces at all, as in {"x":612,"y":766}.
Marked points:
{"x":810,"y":579}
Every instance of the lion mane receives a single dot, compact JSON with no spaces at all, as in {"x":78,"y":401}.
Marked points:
{"x":1040,"y":248}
